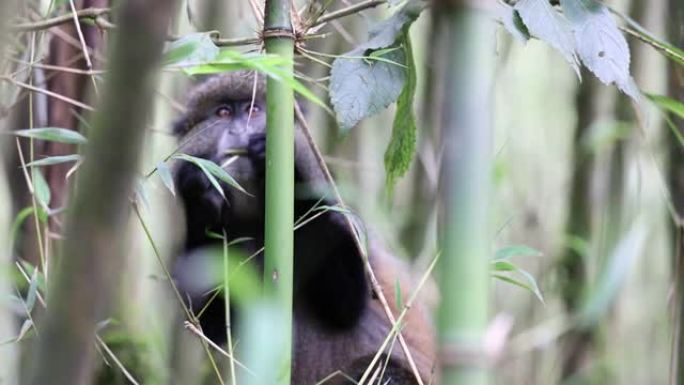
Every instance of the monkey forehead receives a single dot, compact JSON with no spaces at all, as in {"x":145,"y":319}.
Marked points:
{"x":237,"y":85}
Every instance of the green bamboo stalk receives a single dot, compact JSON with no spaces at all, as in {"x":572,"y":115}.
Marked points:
{"x":92,"y":254}
{"x":279,"y":233}
{"x":467,"y":54}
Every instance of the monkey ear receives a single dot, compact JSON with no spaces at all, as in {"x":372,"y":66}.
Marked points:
{"x":182,"y":125}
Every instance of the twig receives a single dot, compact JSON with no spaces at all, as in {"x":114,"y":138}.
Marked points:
{"x":84,"y":46}
{"x":348,"y":11}
{"x":118,"y":363}
{"x":48,"y":93}
{"x":89,"y":13}
{"x":198,"y":333}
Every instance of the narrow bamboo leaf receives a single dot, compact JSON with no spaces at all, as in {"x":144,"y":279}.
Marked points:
{"x":212,"y":171}
{"x":141,"y":194}
{"x":613,"y":275}
{"x":360,"y":88}
{"x":544,"y":23}
{"x":671,"y":105}
{"x":532,"y":288}
{"x":25,"y":328}
{"x":398,"y":296}
{"x":18,"y":221}
{"x":669,"y":50}
{"x":516,"y":250}
{"x":33,"y":291}
{"x":190,"y":49}
{"x":53,"y":134}
{"x":402,"y":145}
{"x":165,"y":175}
{"x":270,"y":65}
{"x":41,"y":188}
{"x":500,"y":265}
{"x":52,"y":160}
{"x":600,"y":44}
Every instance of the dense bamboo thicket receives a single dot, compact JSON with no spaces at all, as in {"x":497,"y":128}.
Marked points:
{"x":522,"y":158}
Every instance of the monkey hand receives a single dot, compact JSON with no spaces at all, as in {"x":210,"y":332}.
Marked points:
{"x":256,"y":150}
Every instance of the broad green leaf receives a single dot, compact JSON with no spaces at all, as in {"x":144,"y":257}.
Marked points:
{"x":165,"y":175}
{"x":52,"y":134}
{"x":511,"y":21}
{"x":41,"y":188}
{"x":600,"y":44}
{"x":52,"y":160}
{"x":191,"y":49}
{"x":516,"y":251}
{"x":543,"y":22}
{"x":212,"y":171}
{"x":360,"y":88}
{"x":402,"y":145}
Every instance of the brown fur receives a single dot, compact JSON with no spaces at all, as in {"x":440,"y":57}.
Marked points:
{"x":319,"y":349}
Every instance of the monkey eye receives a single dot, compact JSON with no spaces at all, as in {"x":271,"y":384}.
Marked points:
{"x":224,"y":112}
{"x":250,"y":108}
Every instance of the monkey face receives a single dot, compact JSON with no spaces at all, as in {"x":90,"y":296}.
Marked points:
{"x":226,"y":122}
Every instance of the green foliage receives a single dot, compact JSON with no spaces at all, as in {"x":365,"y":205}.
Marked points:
{"x":41,"y":189}
{"x":52,"y":134}
{"x":600,"y":44}
{"x":614,"y":274}
{"x":516,"y":251}
{"x":196,"y":54}
{"x":669,"y":50}
{"x":402,"y":145}
{"x":361,"y":85}
{"x":165,"y":174}
{"x":133,"y":356}
{"x":544,"y":23}
{"x":53,"y":160}
{"x":585,"y":31}
{"x":506,"y":271}
{"x":509,"y":17}
{"x":191,"y":49}
{"x":212,"y":171}
{"x":673,"y":106}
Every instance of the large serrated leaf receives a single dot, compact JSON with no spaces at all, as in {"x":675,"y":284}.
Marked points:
{"x":363,"y":84}
{"x":402,"y":145}
{"x":600,"y":44}
{"x":543,"y":22}
{"x":510,"y":19}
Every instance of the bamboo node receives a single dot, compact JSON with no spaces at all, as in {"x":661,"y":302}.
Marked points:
{"x":277,"y":33}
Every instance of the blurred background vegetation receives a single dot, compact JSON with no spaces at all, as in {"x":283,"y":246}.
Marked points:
{"x":590,"y":185}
